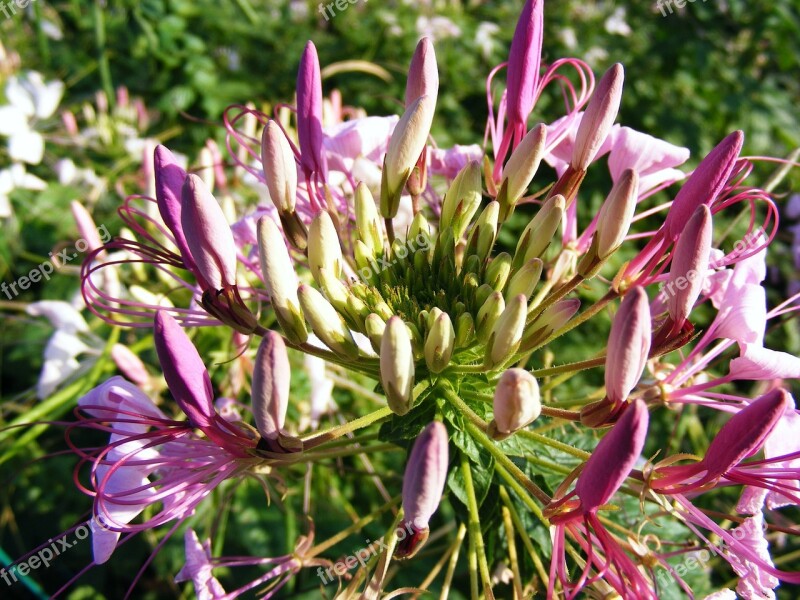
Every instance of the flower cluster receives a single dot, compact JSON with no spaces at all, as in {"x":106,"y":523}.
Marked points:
{"x":388,"y":258}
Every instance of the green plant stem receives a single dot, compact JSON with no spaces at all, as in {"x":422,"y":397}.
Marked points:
{"x":570,"y":367}
{"x":526,"y":540}
{"x":102,"y":56}
{"x":476,"y":427}
{"x":582,"y":454}
{"x":340,"y":430}
{"x":332,"y":541}
{"x":474,"y":523}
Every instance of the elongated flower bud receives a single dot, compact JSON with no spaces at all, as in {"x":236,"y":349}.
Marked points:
{"x":482,"y":237}
{"x":516,"y":402}
{"x":524,"y":281}
{"x":521,"y":167}
{"x":745,"y":432}
{"x":280,"y":280}
{"x":488,"y":314}
{"x":439,"y":343}
{"x":374,"y":327}
{"x":628,"y":345}
{"x":271,"y":386}
{"x":540,"y":231}
{"x":326,"y":322}
{"x":423,"y":74}
{"x":86,"y":226}
{"x":498,"y":271}
{"x":324,"y":250}
{"x":614,"y":218}
{"x":689,"y":265}
{"x":309,"y":113}
{"x":524,"y":60}
{"x":367,"y":220}
{"x":129,"y":364}
{"x":553,"y":318}
{"x":406,"y":144}
{"x":423,"y":485}
{"x":208,"y":234}
{"x":277,"y":161}
{"x":615,"y":456}
{"x":598,"y":118}
{"x":705,"y":183}
{"x":462,"y":199}
{"x":186,"y":375}
{"x":397,"y":366}
{"x":507,"y":332}
{"x":465,"y":329}
{"x":169,"y":183}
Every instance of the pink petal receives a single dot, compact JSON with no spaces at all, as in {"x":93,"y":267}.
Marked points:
{"x":198,"y":568}
{"x":651,"y":157}
{"x":743,"y":315}
{"x":759,"y":363}
{"x":753,"y":582}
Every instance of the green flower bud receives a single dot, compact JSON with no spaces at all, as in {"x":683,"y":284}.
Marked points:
{"x":507,"y":332}
{"x":327,"y":323}
{"x":439,"y":343}
{"x":397,"y":366}
{"x":524,"y":281}
{"x":280,"y":280}
{"x":462,"y":199}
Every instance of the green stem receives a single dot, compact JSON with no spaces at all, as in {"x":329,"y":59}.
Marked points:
{"x":570,"y":367}
{"x":583,"y":455}
{"x":340,"y":430}
{"x":102,"y":57}
{"x":332,"y":541}
{"x":526,"y":540}
{"x":476,"y":427}
{"x":474,"y":523}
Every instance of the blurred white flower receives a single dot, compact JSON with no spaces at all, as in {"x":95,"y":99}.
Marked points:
{"x":616,"y":23}
{"x":62,"y":350}
{"x":12,"y":178}
{"x":437,"y":28}
{"x":484,"y":38}
{"x":30,"y":99}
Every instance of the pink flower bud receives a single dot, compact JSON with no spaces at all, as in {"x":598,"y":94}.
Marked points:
{"x":516,"y":401}
{"x":271,"y":378}
{"x":169,"y":183}
{"x":745,"y":432}
{"x":208,"y":234}
{"x":425,"y":475}
{"x":309,"y":113}
{"x":86,"y":226}
{"x":186,"y":375}
{"x":612,"y":460}
{"x":405,"y":146}
{"x":705,"y":183}
{"x":279,"y":167}
{"x":598,"y":118}
{"x":628,"y":345}
{"x":524,"y":60}
{"x":423,"y":74}
{"x":689,"y":265}
{"x":129,"y":364}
